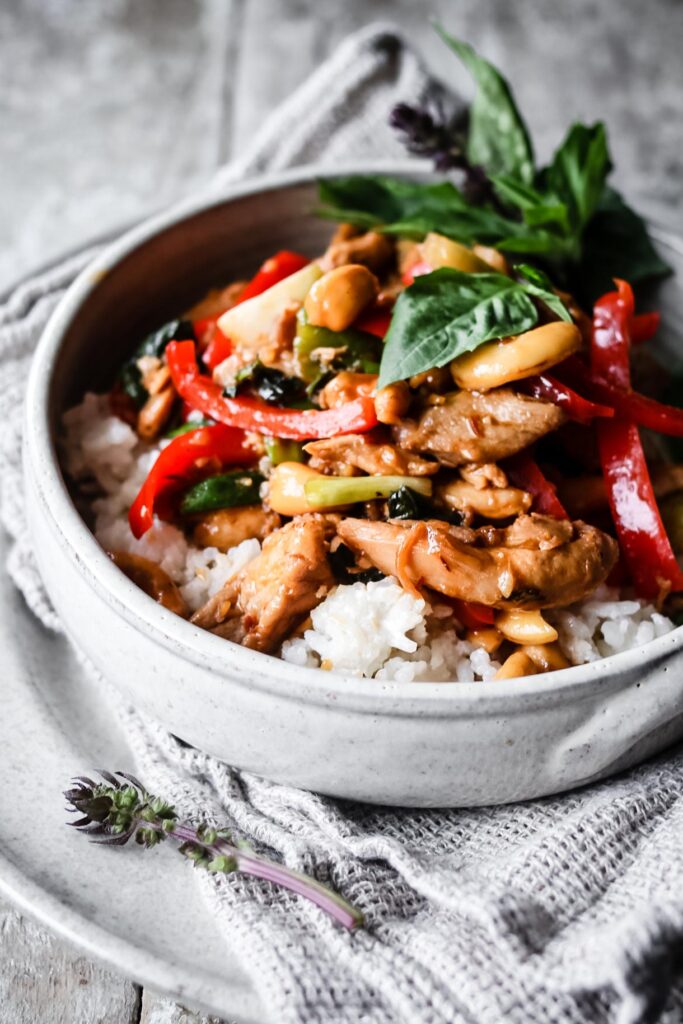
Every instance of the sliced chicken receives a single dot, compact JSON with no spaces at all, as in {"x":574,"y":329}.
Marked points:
{"x":226,"y":527}
{"x":538,"y":562}
{"x":469,"y":426}
{"x":260,"y":605}
{"x":342,"y":456}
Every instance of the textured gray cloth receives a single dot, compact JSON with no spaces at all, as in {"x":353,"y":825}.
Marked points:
{"x":562,"y":910}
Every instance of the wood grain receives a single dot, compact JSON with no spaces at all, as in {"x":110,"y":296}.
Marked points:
{"x":42,"y":980}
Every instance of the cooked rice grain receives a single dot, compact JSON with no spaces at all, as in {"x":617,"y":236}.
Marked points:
{"x":366,"y":629}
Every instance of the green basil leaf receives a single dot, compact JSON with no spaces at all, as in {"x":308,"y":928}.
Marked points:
{"x":616,"y":244}
{"x":411,"y":209}
{"x":540,"y":285}
{"x":579,"y":170}
{"x":445,"y":313}
{"x":538,"y":209}
{"x":498,"y":138}
{"x":374,"y":200}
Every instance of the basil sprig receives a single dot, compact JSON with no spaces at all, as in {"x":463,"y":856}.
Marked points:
{"x":564,"y":216}
{"x":411,"y":209}
{"x":498,"y":138}
{"x":448,"y":312}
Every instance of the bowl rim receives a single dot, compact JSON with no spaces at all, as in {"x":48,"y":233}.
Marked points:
{"x":268,"y":673}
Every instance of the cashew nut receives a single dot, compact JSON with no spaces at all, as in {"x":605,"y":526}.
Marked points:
{"x":499,"y":362}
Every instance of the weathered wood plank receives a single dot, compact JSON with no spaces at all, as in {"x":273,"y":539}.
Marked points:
{"x":42,"y":981}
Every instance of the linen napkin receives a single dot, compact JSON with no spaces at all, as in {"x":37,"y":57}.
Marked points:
{"x":567,"y":909}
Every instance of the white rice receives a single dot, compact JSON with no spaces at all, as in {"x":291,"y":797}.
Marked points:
{"x":376,"y":630}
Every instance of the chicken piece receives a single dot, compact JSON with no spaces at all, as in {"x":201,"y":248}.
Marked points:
{"x":226,"y":527}
{"x":490,"y":502}
{"x":483,"y":475}
{"x":469,"y":426}
{"x":538,"y":562}
{"x":341,"y":456}
{"x":278,"y":350}
{"x":151,"y":578}
{"x":261,"y":604}
{"x":373,"y":250}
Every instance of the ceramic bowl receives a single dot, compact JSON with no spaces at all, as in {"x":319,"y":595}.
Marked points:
{"x":417,"y":744}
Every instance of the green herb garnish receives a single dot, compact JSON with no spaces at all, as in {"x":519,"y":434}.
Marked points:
{"x":271,"y":385}
{"x":120,"y":809}
{"x":154,"y":344}
{"x":564,"y":215}
{"x":405,"y":503}
{"x":446,"y":313}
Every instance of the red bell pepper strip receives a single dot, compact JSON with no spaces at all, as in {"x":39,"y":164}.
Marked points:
{"x":644,"y":326}
{"x":374,"y":321}
{"x":553,"y":390}
{"x":217,"y":350}
{"x":417,"y":270}
{"x":202,"y":393}
{"x":642,"y":537}
{"x":611,"y":337}
{"x":204,"y":328}
{"x":471,"y":614}
{"x":524,"y":472}
{"x":631,"y":405}
{"x":275,"y":268}
{"x":177,"y":466}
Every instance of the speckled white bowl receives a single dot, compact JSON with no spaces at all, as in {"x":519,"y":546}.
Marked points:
{"x":419,"y":744}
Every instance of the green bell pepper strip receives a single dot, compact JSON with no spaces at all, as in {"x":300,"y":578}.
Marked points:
{"x":279,"y":451}
{"x":227,"y":490}
{"x":361,"y":350}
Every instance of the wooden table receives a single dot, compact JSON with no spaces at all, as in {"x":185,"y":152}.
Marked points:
{"x":109,"y":110}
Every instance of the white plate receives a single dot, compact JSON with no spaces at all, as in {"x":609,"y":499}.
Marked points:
{"x":112,"y":904}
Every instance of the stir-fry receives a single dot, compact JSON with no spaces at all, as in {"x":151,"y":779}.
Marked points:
{"x":417,"y":455}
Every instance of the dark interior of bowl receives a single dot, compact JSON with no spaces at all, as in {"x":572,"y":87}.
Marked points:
{"x":163,"y":276}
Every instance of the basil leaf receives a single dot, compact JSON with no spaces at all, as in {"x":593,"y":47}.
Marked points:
{"x":154,"y":344}
{"x":269,"y":384}
{"x":498,"y":138}
{"x":538,"y":209}
{"x":540,"y":285}
{"x":616,"y":244}
{"x":343,"y":564}
{"x":410,"y":209}
{"x":579,"y":170}
{"x":405,"y":503}
{"x":445,"y":313}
